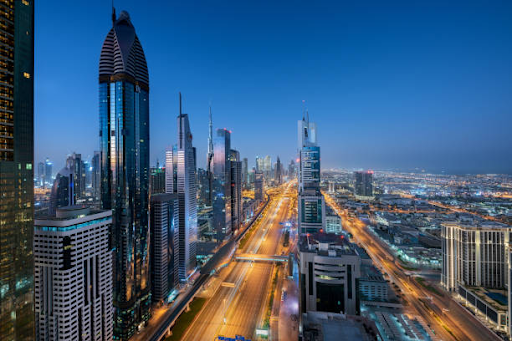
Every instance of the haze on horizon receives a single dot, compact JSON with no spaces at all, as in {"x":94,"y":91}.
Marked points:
{"x":391,"y":86}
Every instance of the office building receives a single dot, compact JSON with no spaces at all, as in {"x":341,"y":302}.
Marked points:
{"x":63,"y":190}
{"x":16,"y":171}
{"x":236,"y":190}
{"x":260,"y":164}
{"x":156,"y":180}
{"x":245,"y":173}
{"x":474,"y":255}
{"x":40,"y":174}
{"x":363,"y":184}
{"x":171,"y":169}
{"x":187,"y":197}
{"x":209,"y":165}
{"x":222,"y":184}
{"x":267,"y":168}
{"x":164,"y":245}
{"x":332,"y":222}
{"x":76,"y":165}
{"x":48,"y":172}
{"x":329,"y":268}
{"x":311,"y":204}
{"x":371,"y":285}
{"x":278,"y":172}
{"x":73,"y":275}
{"x":96,"y":177}
{"x":258,"y":186}
{"x":124,"y":141}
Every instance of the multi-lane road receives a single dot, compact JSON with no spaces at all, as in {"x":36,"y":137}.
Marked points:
{"x":448,"y":319}
{"x":238,"y":305}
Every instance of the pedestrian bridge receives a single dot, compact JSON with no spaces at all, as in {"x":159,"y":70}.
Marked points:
{"x":248,"y":257}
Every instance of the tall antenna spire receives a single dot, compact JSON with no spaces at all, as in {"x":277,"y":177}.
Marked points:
{"x":180,"y":104}
{"x":113,"y":13}
{"x":303,"y":109}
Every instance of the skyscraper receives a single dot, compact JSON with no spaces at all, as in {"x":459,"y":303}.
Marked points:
{"x":77,"y":167}
{"x":164,"y":245}
{"x":279,"y":170}
{"x":48,"y":172}
{"x":157,"y":180}
{"x":16,"y":170}
{"x":311,"y":201}
{"x":73,"y":275}
{"x":187,"y":197}
{"x":363,"y":185}
{"x":209,"y":163}
{"x":222,"y":184}
{"x":124,"y":142}
{"x":96,"y":176}
{"x":258,"y":185}
{"x":63,"y":190}
{"x":236,"y":190}
{"x":245,"y":172}
{"x":40,"y":174}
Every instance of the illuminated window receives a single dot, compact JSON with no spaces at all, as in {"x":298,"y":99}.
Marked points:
{"x":26,"y":75}
{"x":29,"y":166}
{"x":25,"y":2}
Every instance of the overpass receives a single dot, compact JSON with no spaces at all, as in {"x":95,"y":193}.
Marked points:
{"x":260,"y":258}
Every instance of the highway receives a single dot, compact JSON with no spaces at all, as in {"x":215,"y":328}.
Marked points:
{"x":449,"y":320}
{"x":239,"y":304}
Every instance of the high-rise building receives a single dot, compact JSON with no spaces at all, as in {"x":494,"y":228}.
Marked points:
{"x":236,"y":190}
{"x":474,"y":255}
{"x":187,"y":197}
{"x":260,"y":164}
{"x":171,"y":169}
{"x":16,"y":170}
{"x":222,"y":184}
{"x":96,"y":176}
{"x":279,"y":176}
{"x":48,"y":172}
{"x":157,"y":180}
{"x":245,"y":172}
{"x":73,"y":275}
{"x":329,"y":269}
{"x":267,"y":167}
{"x":63,"y":190}
{"x":124,"y":141}
{"x":203,"y":187}
{"x":209,"y":164}
{"x":258,"y":185}
{"x":77,"y":167}
{"x":40,"y":174}
{"x":292,"y":169}
{"x":164,"y":245}
{"x":363,"y":184}
{"x":311,"y":204}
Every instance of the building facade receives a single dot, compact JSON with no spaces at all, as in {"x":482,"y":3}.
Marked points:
{"x":16,"y":170}
{"x":328,"y":274}
{"x":474,"y":255}
{"x":124,"y":142}
{"x":363,"y":184}
{"x":164,"y":245}
{"x":73,"y":275}
{"x":222,"y":183}
{"x":236,"y":190}
{"x":258,"y":186}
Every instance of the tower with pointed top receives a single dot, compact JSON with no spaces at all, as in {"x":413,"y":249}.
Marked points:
{"x":209,"y":162}
{"x":124,"y":154}
{"x":311,"y":201}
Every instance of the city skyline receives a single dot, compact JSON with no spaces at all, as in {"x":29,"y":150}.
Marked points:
{"x":383,"y":82}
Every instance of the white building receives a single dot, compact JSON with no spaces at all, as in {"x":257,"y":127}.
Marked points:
{"x":329,"y":267}
{"x":333,"y":223}
{"x":474,"y":255}
{"x":73,"y":275}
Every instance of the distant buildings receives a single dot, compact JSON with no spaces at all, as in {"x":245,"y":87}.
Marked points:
{"x":363,"y":184}
{"x":73,"y":275}
{"x":329,"y":268}
{"x":245,"y":173}
{"x":311,"y":202}
{"x":48,"y":172}
{"x":124,"y":141}
{"x":96,"y":177}
{"x":164,"y":245}
{"x":63,"y":190}
{"x":236,"y":190}
{"x":258,"y":186}
{"x":77,"y":167}
{"x":278,"y":172}
{"x":17,"y":171}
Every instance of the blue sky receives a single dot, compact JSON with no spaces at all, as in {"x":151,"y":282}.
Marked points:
{"x":391,"y":85}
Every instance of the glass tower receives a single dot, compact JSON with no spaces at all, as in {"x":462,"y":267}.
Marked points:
{"x":222,"y":184}
{"x":16,"y":170}
{"x":124,"y":153}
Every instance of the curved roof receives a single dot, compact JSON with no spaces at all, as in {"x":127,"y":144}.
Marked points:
{"x":122,"y":52}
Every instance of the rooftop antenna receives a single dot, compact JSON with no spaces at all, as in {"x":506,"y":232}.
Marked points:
{"x":210,"y":136}
{"x":113,"y":13}
{"x":180,"y":104}
{"x":303,"y":109}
